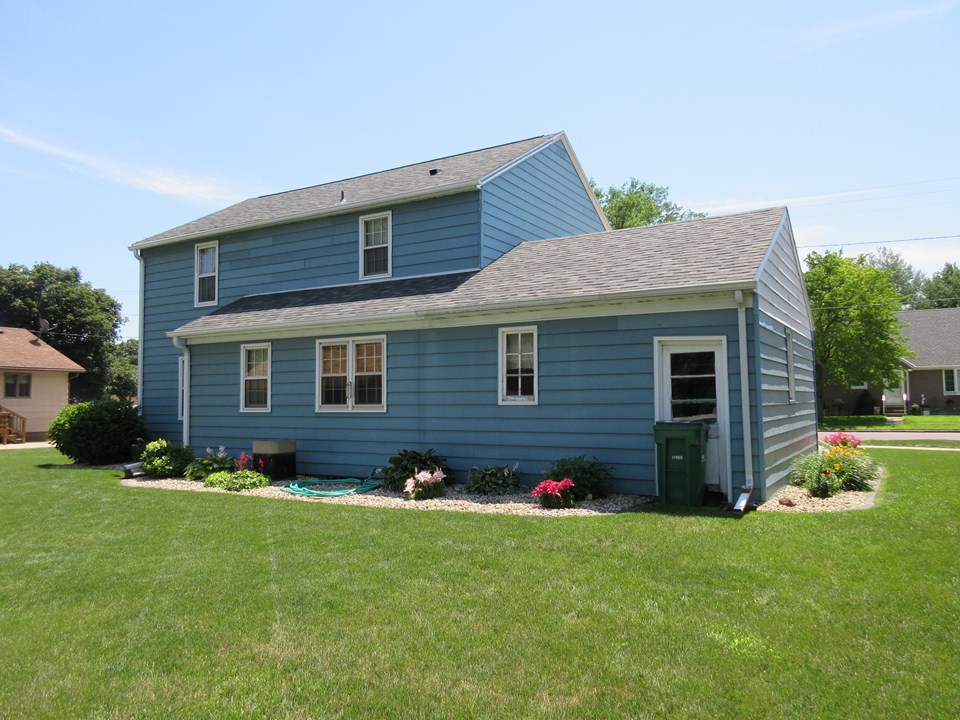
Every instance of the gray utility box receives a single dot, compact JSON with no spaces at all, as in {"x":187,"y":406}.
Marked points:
{"x":279,"y":458}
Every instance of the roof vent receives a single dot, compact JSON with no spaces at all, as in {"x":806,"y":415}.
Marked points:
{"x":435,"y":171}
{"x":343,"y":197}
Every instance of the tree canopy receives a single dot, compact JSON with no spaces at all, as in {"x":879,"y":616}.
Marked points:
{"x":908,"y":280}
{"x":84,"y":321}
{"x":636,"y":203}
{"x":857,"y":333}
{"x":943,"y":289}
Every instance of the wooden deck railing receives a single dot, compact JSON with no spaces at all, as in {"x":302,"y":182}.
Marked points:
{"x":13,"y":427}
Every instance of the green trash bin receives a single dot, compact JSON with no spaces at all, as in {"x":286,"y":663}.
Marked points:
{"x":681,"y":457}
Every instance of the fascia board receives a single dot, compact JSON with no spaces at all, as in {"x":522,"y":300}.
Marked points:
{"x":441,"y":191}
{"x":487,"y":315}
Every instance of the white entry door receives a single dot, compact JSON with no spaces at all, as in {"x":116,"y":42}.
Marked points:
{"x":692,"y":385}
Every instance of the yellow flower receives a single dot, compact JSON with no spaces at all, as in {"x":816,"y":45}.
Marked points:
{"x":836,"y":466}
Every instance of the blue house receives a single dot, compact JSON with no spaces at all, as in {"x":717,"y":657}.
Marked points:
{"x":479,"y":304}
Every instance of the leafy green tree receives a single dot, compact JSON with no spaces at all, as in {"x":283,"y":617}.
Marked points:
{"x":908,"y":280}
{"x":856,"y":331}
{"x":84,"y":321}
{"x":943,"y":289}
{"x":122,"y":370}
{"x":638,"y":203}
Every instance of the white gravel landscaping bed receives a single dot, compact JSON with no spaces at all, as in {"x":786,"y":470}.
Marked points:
{"x":803,"y":501}
{"x":455,"y":499}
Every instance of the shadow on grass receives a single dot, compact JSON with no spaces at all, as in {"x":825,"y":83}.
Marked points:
{"x":659,"y":508}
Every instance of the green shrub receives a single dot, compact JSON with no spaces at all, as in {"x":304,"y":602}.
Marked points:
{"x":199,"y":468}
{"x":838,"y":468}
{"x":407,"y":463}
{"x":98,"y":433}
{"x":865,"y":404}
{"x":494,"y":480}
{"x":236,"y":481}
{"x":162,"y":459}
{"x":590,"y":477}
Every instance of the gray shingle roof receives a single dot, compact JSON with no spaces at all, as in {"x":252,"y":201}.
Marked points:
{"x":452,"y":172}
{"x":653,"y":261}
{"x":932,"y":335}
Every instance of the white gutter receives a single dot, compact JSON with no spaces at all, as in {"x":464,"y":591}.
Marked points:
{"x":139,"y":256}
{"x":181,"y":344}
{"x":741,"y":503}
{"x":451,"y":189}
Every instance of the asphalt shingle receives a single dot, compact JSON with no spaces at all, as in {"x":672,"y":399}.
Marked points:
{"x":649,"y":261}
{"x":933,"y":336}
{"x":449,"y":171}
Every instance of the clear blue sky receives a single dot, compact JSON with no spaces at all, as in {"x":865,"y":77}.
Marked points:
{"x":119,"y":120}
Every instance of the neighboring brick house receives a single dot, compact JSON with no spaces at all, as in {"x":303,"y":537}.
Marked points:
{"x":36,"y":384}
{"x":929,"y":382}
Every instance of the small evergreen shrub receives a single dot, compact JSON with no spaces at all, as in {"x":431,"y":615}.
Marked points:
{"x":199,"y":468}
{"x":407,"y":463}
{"x":163,"y":459}
{"x":865,"y":404}
{"x":494,"y":480}
{"x":98,"y":433}
{"x":590,"y":477}
{"x":236,"y":481}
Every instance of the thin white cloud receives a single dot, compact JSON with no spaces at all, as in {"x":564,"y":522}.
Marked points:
{"x":733,"y":205}
{"x":157,"y":180}
{"x":819,"y":37}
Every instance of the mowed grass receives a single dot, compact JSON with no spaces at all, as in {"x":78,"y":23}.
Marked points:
{"x":911,"y":423}
{"x":934,"y":443}
{"x":138,"y":603}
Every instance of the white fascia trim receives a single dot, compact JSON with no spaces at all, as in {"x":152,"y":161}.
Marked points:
{"x":495,"y":315}
{"x":442,"y":190}
{"x":560,"y":137}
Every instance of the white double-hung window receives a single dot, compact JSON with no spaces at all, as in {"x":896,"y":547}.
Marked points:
{"x":376,"y":239}
{"x":518,"y":366}
{"x":951,"y":382}
{"x":255,"y":369}
{"x":206,"y":269}
{"x":351,"y":375}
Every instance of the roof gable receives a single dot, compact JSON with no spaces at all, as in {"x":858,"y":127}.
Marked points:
{"x":21,"y":350}
{"x":453,"y":174}
{"x":932,"y":335}
{"x":682,"y":258}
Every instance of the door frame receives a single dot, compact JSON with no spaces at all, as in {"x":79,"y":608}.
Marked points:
{"x":698,"y":343}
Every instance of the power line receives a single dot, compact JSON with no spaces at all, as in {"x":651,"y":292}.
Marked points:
{"x":879,"y":242}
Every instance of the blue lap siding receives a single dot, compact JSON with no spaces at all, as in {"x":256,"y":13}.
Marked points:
{"x":596,"y":398}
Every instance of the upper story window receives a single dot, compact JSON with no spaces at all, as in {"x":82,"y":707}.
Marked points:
{"x":518,"y":366}
{"x":255,"y":393}
{"x":16,"y":385}
{"x":351,"y":374}
{"x":951,"y":382}
{"x":376,"y":245}
{"x":207,"y":265}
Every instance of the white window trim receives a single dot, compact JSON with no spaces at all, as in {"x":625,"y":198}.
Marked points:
{"x":502,"y":399}
{"x":196,"y":274}
{"x":374,"y":216}
{"x":956,"y":381}
{"x":243,"y":377}
{"x":791,"y":367}
{"x":351,"y":344}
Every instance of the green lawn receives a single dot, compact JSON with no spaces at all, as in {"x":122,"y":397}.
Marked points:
{"x":913,"y":423}
{"x":138,"y":603}
{"x":915,"y":443}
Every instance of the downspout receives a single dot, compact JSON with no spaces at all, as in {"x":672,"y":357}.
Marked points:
{"x":181,"y":344}
{"x":139,"y":256}
{"x":747,"y":489}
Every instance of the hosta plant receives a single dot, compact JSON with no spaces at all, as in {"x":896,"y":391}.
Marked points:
{"x":493,"y":480}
